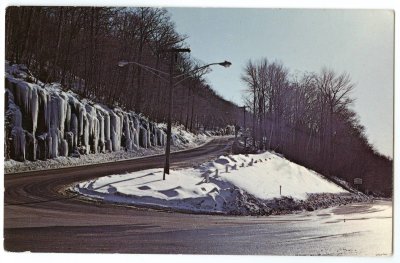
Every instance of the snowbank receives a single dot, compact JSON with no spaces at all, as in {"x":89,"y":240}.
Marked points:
{"x":229,"y":184}
{"x":12,"y":166}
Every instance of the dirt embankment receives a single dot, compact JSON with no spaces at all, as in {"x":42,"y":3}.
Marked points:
{"x":247,"y":204}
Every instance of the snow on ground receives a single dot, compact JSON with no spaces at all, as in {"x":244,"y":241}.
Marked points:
{"x":256,"y":175}
{"x":192,"y":141}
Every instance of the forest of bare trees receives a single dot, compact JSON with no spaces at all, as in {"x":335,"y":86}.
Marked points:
{"x":309,"y":119}
{"x":80,"y":47}
{"x":306,"y":117}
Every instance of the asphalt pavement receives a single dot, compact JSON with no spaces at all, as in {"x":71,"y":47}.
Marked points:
{"x":40,"y":216}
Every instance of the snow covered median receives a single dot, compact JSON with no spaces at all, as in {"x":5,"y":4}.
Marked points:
{"x":263,"y":183}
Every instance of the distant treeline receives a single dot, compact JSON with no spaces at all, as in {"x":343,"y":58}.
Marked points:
{"x":80,"y":47}
{"x":308,"y":118}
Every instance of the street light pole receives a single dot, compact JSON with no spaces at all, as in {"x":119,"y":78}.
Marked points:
{"x":244,"y":117}
{"x":244,"y":125}
{"x":173,"y":54}
{"x":169,"y":124}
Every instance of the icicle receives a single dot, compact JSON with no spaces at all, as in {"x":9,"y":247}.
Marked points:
{"x":59,"y":124}
{"x":148,"y":135}
{"x":155,"y":136}
{"x":63,"y":148}
{"x":104,"y":125}
{"x":101,"y":131}
{"x":34,"y":110}
{"x":69,"y":137}
{"x":93,"y":127}
{"x":164,"y":138}
{"x":62,"y":113}
{"x":158,"y":136}
{"x":133,"y":139}
{"x":68,"y":118}
{"x":42,"y":94}
{"x":107,"y":132}
{"x":127,"y":133}
{"x":114,"y":129}
{"x":42,"y":145}
{"x":96,"y":134}
{"x":23,"y":95}
{"x":17,"y":132}
{"x":54,"y":142}
{"x":120,"y":116}
{"x":49,"y":146}
{"x":135,"y":130}
{"x":48,"y":110}
{"x":86,"y":135}
{"x":143,"y":137}
{"x":74,"y":130}
{"x":31,"y":145}
{"x":18,"y":136}
{"x":132,"y":131}
{"x":82,"y":116}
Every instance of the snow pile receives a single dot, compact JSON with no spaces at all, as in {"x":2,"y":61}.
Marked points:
{"x":12,"y":166}
{"x":220,"y":186}
{"x":269,"y":175}
{"x":183,"y":189}
{"x":181,"y":137}
{"x":45,"y":122}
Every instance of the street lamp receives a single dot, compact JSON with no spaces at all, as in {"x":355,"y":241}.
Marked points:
{"x":151,"y":70}
{"x":225,"y":64}
{"x":172,"y":84}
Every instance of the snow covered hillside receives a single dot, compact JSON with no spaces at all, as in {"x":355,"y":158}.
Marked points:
{"x":45,"y":122}
{"x":217,"y":186}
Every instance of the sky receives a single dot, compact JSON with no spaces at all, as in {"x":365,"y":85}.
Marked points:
{"x":359,"y":42}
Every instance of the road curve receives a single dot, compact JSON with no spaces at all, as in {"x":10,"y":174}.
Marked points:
{"x":45,"y":185}
{"x":30,"y":197}
{"x":40,"y":217}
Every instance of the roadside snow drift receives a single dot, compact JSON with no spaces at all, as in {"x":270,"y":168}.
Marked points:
{"x":215,"y":186}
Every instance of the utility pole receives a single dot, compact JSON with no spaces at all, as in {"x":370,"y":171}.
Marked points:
{"x":244,"y":126}
{"x":181,"y":77}
{"x":173,"y":57}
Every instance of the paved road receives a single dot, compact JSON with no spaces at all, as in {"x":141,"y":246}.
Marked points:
{"x":39,"y":216}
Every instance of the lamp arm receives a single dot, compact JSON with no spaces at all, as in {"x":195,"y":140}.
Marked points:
{"x":148,"y":68}
{"x":180,"y":81}
{"x":154,"y":73}
{"x":195,"y":70}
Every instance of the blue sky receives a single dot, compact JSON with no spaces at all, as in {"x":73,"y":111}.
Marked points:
{"x":359,"y":42}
